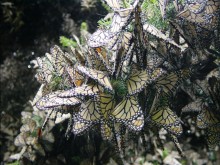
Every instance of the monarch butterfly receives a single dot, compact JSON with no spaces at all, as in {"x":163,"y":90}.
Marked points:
{"x":204,"y":14}
{"x":137,"y":123}
{"x":75,"y":77}
{"x":102,"y":54}
{"x":163,"y":116}
{"x":157,"y":33}
{"x":58,"y":59}
{"x":170,"y":81}
{"x":141,"y":38}
{"x":46,"y":70}
{"x":80,"y":127}
{"x":106,"y":103}
{"x":121,"y":18}
{"x":188,"y":15}
{"x":119,"y":137}
{"x":52,"y":64}
{"x":78,"y":55}
{"x":206,"y":118}
{"x":196,"y":6}
{"x":129,"y":113}
{"x":98,"y":76}
{"x":205,"y":6}
{"x":153,"y":61}
{"x":89,"y":112}
{"x":100,"y":60}
{"x":84,"y":90}
{"x":126,"y":41}
{"x":93,"y":112}
{"x":121,"y":40}
{"x":213,"y":136}
{"x":187,"y":31}
{"x":195,"y":106}
{"x":52,"y":100}
{"x":137,"y":81}
{"x":106,"y":131}
{"x":100,"y":38}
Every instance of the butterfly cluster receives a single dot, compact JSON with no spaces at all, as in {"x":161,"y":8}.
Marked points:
{"x":125,"y":79}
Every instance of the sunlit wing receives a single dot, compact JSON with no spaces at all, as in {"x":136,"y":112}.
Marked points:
{"x":84,"y":90}
{"x":58,"y":59}
{"x":129,"y":113}
{"x":137,"y":81}
{"x":98,"y":76}
{"x":100,"y":38}
{"x":52,"y":100}
{"x":89,"y":112}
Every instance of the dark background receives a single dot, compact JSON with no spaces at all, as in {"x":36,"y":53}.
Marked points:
{"x":28,"y":28}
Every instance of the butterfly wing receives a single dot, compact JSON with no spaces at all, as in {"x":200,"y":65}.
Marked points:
{"x":128,"y":112}
{"x":84,"y":90}
{"x":75,"y":77}
{"x":45,"y":71}
{"x":137,"y":81}
{"x":52,"y":100}
{"x":58,"y":59}
{"x":79,"y":127}
{"x":169,"y":82}
{"x":87,"y":116}
{"x":213,"y":136}
{"x":89,"y":112}
{"x":100,"y":38}
{"x":163,"y":116}
{"x":157,"y":33}
{"x":98,"y":76}
{"x":206,"y":118}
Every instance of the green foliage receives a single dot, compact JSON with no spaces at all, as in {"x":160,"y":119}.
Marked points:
{"x":120,"y":88}
{"x":83,"y":31}
{"x":104,"y":23}
{"x":106,"y":7}
{"x":153,"y":15}
{"x":165,"y":153}
{"x":66,"y":42}
{"x":14,"y":163}
{"x":38,"y":120}
{"x":183,"y":162}
{"x":84,"y":26}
